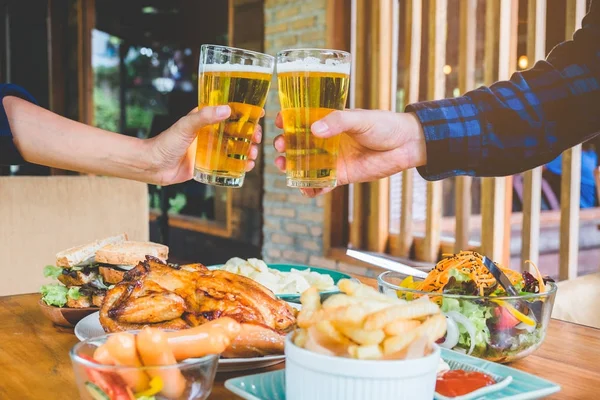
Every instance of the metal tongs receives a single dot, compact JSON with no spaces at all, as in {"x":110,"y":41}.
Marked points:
{"x":387,"y":264}
{"x":500,"y":277}
{"x":521,"y":305}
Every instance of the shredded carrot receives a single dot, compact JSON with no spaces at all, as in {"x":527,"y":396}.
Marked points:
{"x":469,"y":263}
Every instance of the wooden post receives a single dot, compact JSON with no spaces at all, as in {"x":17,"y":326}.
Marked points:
{"x":438,"y":17}
{"x":571,"y":176}
{"x":336,"y":230}
{"x":532,"y":180}
{"x":413,"y":26}
{"x":466,"y":82}
{"x":86,"y":18}
{"x":501,"y":23}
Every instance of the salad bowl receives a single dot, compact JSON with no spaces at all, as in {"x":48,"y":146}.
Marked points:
{"x":492,"y":326}
{"x":189,"y":379}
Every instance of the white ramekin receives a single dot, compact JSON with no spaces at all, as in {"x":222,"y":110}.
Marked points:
{"x":313,"y":376}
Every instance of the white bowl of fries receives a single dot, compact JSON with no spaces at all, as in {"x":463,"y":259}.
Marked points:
{"x":361,"y":344}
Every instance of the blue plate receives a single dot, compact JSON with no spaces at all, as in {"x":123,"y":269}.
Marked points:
{"x":524,"y":386}
{"x":295,"y":298}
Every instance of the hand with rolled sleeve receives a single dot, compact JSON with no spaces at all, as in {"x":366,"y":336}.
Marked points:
{"x":507,"y":128}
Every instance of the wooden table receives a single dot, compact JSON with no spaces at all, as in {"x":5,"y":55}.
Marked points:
{"x":34,"y":357}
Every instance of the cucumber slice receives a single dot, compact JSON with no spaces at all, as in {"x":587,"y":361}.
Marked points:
{"x":96,"y":392}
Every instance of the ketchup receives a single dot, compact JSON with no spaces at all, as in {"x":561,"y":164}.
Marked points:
{"x":458,"y":382}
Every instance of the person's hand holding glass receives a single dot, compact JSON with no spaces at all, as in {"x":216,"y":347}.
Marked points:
{"x":312,"y":84}
{"x":240,"y":79}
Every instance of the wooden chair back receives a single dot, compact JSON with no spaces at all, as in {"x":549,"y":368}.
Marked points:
{"x":40,"y":216}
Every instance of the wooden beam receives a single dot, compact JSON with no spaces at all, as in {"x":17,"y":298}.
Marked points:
{"x":532,"y":180}
{"x":58,"y":14}
{"x":336,"y":227}
{"x":413,"y":26}
{"x":357,"y":226}
{"x":382,"y":27}
{"x":489,"y":229}
{"x":86,"y":21}
{"x":338,"y":24}
{"x":438,"y":30}
{"x":372,"y":76}
{"x":378,"y":215}
{"x":358,"y":93}
{"x":571,"y":175}
{"x":501,"y":31}
{"x":230,"y":22}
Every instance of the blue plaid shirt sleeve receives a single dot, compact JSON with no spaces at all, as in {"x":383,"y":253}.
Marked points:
{"x":9,"y":155}
{"x":516,"y":125}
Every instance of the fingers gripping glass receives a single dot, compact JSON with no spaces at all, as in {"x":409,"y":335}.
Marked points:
{"x":312,"y":84}
{"x":240,"y":79}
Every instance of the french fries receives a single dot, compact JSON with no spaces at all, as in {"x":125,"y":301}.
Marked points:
{"x":364,"y":324}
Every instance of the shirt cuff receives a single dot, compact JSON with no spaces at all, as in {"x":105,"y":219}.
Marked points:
{"x":453,"y":137}
{"x":9,"y":155}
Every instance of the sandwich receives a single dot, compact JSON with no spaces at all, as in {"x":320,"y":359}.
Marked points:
{"x":85,"y":272}
{"x":115,"y":259}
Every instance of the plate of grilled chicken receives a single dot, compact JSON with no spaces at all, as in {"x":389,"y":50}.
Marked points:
{"x":176,"y":297}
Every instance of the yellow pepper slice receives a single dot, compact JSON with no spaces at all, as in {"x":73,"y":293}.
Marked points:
{"x":407,"y":282}
{"x":156,"y":385}
{"x":516,"y":313}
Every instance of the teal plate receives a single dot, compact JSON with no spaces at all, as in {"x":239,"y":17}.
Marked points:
{"x":295,"y":298}
{"x":524,"y":386}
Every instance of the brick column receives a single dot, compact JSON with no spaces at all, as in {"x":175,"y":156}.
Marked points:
{"x":293,"y":224}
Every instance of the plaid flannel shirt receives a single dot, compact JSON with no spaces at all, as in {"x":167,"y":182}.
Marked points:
{"x":516,"y":125}
{"x":9,"y":155}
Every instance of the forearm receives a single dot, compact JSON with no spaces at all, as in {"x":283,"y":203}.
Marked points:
{"x":519,"y":124}
{"x":45,"y":138}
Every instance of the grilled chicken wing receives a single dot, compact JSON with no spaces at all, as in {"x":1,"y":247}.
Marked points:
{"x":160,"y":295}
{"x":148,"y":304}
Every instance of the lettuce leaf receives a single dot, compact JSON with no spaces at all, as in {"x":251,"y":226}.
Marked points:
{"x":459,"y":275}
{"x":54,"y":294}
{"x":50,"y":271}
{"x":477,"y":314}
{"x":73,"y":293}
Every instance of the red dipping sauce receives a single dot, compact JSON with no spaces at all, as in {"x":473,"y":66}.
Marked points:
{"x":458,"y":382}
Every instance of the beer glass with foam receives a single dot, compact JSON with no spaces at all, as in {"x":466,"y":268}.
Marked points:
{"x":241,"y":79}
{"x":312,"y":84}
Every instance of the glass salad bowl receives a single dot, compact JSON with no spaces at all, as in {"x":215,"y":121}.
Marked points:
{"x":189,"y":379}
{"x":496,"y":328}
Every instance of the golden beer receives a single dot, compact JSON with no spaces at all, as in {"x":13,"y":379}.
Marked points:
{"x":307,"y":94}
{"x":222,"y":149}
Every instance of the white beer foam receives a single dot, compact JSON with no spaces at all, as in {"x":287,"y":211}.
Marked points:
{"x":312,"y":64}
{"x":235,"y":68}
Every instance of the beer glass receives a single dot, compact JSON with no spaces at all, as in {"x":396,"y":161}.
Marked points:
{"x":241,"y":79}
{"x":312,"y":84}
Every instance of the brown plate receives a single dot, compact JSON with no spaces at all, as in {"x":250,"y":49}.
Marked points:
{"x":65,"y":316}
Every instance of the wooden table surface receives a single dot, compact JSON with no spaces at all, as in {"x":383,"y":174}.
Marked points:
{"x":35,"y":364}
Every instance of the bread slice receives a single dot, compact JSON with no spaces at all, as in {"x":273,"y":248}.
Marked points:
{"x":111,"y":276}
{"x":130,"y":253}
{"x":84,"y":254}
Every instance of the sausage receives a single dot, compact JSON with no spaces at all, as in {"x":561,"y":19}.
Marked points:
{"x":123,"y":350}
{"x":210,"y":338}
{"x":103,"y":356}
{"x":154,"y":350}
